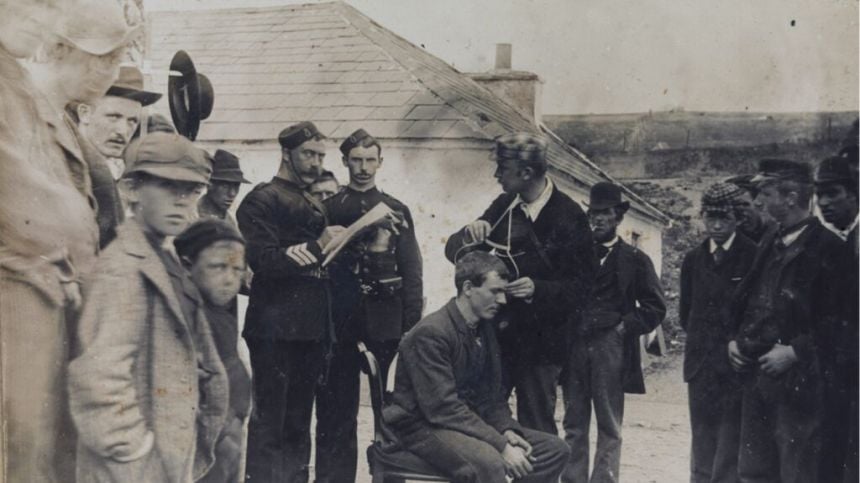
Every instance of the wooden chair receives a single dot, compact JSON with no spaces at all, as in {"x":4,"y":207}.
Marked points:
{"x":389,"y":463}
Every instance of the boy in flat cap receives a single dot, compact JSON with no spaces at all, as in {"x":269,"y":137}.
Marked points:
{"x":105,"y":128}
{"x":543,"y":236}
{"x":213,"y":251}
{"x":48,"y":230}
{"x":784,"y":308}
{"x":224,"y":185}
{"x":836,"y":195}
{"x":709,"y":275}
{"x":287,"y":326}
{"x":379,"y":290}
{"x":148,"y":391}
{"x":625,"y":302}
{"x":754,"y":222}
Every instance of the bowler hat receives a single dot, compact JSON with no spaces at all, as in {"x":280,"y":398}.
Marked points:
{"x":606,"y":195}
{"x":203,"y":233}
{"x":297,"y":134}
{"x":168,"y":156}
{"x":96,"y":27}
{"x":191,"y":95}
{"x":835,"y":169}
{"x":225,"y":167}
{"x":783,"y":170}
{"x":129,"y":85}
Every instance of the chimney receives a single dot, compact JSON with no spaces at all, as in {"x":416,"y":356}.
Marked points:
{"x":520,"y":89}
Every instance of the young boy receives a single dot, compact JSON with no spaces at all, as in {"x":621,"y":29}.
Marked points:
{"x":214,"y":253}
{"x":148,"y":391}
{"x":709,"y":274}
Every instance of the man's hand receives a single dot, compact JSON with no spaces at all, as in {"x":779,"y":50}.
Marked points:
{"x":328,"y":234}
{"x":516,"y":462}
{"x":778,"y":360}
{"x":478,"y":231}
{"x":740,"y":362}
{"x":72,"y":294}
{"x":521,"y":288}
{"x":518,"y":441}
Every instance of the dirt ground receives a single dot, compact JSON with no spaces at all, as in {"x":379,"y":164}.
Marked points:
{"x":656,"y":428}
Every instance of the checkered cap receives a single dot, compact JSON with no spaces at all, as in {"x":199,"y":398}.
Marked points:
{"x":721,"y":197}
{"x":522,"y":146}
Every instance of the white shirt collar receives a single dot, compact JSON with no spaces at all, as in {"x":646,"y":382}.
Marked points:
{"x":534,"y":208}
{"x":793,"y":236}
{"x":611,"y":243}
{"x":726,"y":245}
{"x":843,"y":234}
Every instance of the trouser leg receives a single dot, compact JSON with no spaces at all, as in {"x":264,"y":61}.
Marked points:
{"x":265,"y":439}
{"x":758,"y":460}
{"x":337,"y":415}
{"x":798,"y":438}
{"x":576,"y":389}
{"x":39,"y":437}
{"x":536,"y":395}
{"x":606,"y":351}
{"x":550,"y":455}
{"x":725,"y":469}
{"x":704,"y":429}
{"x":384,"y":352}
{"x":460,"y":457}
{"x":228,"y":454}
{"x":305,"y":363}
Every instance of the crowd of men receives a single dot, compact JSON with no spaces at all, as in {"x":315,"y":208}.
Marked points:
{"x":120,"y":264}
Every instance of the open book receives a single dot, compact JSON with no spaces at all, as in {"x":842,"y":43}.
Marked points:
{"x":378,"y":213}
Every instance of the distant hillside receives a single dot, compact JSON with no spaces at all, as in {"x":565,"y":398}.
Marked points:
{"x":660,"y":131}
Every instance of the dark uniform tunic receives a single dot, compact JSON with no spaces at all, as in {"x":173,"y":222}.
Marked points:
{"x":287,"y":325}
{"x":378,"y":297}
{"x":555,"y":252}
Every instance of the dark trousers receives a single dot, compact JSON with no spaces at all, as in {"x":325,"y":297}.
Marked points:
{"x":780,"y":443}
{"x":715,"y":423}
{"x":594,"y":377}
{"x":839,"y":443}
{"x":536,"y":396}
{"x":285,"y":377}
{"x":465,"y":459}
{"x":337,"y":410}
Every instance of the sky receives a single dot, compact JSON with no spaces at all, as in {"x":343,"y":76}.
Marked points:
{"x":616,"y":56}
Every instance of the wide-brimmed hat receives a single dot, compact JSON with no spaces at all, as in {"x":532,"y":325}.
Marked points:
{"x":605,"y":195}
{"x":96,"y":27}
{"x":225,"y":167}
{"x":168,"y":156}
{"x":129,"y":85}
{"x":190,"y":94}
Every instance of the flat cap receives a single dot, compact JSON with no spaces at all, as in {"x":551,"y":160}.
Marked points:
{"x":168,"y":156}
{"x":720,"y":197}
{"x":836,"y":169}
{"x":353,"y":140}
{"x":522,"y":146}
{"x":225,"y":167}
{"x":783,"y":170}
{"x":297,"y":134}
{"x":203,"y":233}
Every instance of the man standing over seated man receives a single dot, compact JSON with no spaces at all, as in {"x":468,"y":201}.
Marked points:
{"x":544,"y":239}
{"x":448,"y":405}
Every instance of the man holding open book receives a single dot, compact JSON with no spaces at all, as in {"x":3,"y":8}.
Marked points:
{"x":379,"y":296}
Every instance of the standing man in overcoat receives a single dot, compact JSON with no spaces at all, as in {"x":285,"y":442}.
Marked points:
{"x":543,"y":237}
{"x":378,"y":289}
{"x":288,"y":325}
{"x":710,"y":274}
{"x":625,"y":302}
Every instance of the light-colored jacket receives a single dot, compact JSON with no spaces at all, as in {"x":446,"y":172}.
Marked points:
{"x":141,"y":372}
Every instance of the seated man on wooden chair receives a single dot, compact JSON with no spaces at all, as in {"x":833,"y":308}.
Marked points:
{"x":448,"y":406}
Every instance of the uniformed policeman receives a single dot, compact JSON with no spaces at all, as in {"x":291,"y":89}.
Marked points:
{"x":379,"y":292}
{"x":287,"y":325}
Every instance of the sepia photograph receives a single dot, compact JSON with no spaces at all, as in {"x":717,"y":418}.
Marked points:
{"x":476,"y":241}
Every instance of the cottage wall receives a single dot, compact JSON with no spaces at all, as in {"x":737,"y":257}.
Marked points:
{"x":446,"y":184}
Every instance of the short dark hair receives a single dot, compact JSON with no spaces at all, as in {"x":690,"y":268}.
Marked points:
{"x":474,"y":267}
{"x":367,"y":142}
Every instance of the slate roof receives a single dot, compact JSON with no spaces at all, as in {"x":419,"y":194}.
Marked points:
{"x":329,"y":63}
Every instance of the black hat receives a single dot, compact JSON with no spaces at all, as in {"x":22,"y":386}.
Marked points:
{"x":203,"y":233}
{"x":297,"y":134}
{"x":191,"y":96}
{"x":606,"y":195}
{"x":129,"y":85}
{"x":225,"y":167}
{"x":783,"y":170}
{"x":835,"y":169}
{"x":354,"y":139}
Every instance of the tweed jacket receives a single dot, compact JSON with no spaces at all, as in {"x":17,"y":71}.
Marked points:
{"x":429,"y":383}
{"x":703,"y":313}
{"x":562,"y":269}
{"x":141,"y":370}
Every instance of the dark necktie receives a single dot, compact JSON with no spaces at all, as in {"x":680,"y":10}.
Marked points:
{"x":719,"y":255}
{"x":601,"y":251}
